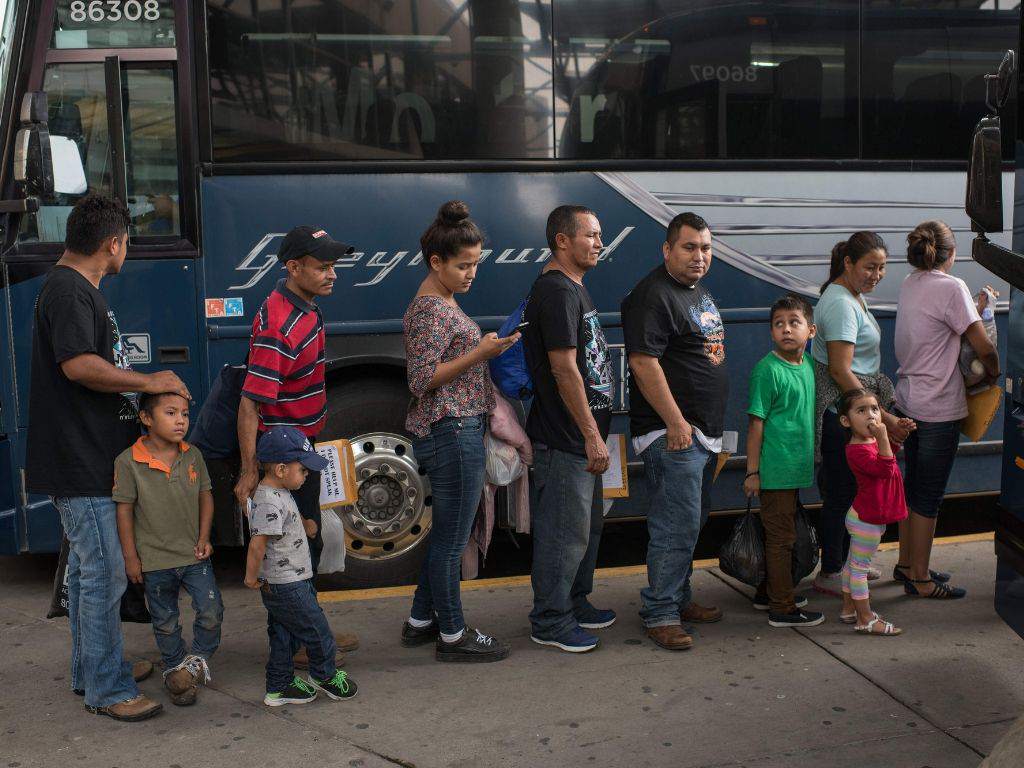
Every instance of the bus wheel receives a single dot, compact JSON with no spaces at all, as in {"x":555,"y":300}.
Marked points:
{"x":385,"y":530}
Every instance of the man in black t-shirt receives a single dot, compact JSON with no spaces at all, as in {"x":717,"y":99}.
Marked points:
{"x":81,"y":416}
{"x":675,"y":341}
{"x":568,"y":423}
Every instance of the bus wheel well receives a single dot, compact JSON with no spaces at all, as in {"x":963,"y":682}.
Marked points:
{"x":343,"y":373}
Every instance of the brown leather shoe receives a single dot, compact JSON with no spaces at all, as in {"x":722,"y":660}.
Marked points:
{"x":301,"y":659}
{"x":142,"y":669}
{"x":179,"y":681}
{"x":701,"y":614}
{"x":671,"y":637}
{"x":130,"y":711}
{"x":187,"y":698}
{"x":346,"y":641}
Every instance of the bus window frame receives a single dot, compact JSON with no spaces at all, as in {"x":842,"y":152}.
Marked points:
{"x":185,"y":244}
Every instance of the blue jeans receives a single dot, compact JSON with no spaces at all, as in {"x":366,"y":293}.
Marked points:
{"x":96,"y":581}
{"x":453,"y":457}
{"x":679,"y":484}
{"x":162,"y":588}
{"x":928,"y":456}
{"x":838,"y":488}
{"x":567,"y":520}
{"x":295,"y":619}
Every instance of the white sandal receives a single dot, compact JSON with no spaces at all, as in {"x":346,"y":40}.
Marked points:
{"x":887,"y":627}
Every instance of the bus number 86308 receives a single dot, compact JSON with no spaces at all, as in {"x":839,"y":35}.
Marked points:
{"x":115,"y":10}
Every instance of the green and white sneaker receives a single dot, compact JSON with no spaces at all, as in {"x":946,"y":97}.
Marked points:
{"x":298,"y":692}
{"x":338,"y":687}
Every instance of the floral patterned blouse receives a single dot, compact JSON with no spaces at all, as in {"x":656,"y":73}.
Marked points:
{"x":437,"y":332}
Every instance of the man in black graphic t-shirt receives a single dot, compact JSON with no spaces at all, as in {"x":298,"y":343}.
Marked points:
{"x":79,"y":421}
{"x":568,"y":423}
{"x":675,"y":341}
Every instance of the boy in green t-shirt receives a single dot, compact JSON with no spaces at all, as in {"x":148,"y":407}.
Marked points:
{"x":780,"y":454}
{"x":164,"y":515}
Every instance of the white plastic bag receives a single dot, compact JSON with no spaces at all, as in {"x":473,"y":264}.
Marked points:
{"x":332,"y":559}
{"x":502,"y":462}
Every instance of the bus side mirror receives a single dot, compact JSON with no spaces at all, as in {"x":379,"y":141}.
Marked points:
{"x":984,"y":203}
{"x":33,"y":164}
{"x":45,"y":164}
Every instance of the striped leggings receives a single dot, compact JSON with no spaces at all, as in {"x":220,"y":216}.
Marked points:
{"x":864,"y":539}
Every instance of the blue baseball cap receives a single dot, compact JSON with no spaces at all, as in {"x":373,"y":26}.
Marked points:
{"x":287,"y":444}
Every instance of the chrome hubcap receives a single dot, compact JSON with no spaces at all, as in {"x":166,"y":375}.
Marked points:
{"x":392,"y":511}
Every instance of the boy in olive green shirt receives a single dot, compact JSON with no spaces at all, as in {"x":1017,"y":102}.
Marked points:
{"x":164,"y":515}
{"x":780,"y":454}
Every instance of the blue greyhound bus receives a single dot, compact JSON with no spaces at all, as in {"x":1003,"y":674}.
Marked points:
{"x":788,"y":124}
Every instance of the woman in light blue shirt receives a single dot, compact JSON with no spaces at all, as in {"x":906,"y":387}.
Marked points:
{"x":847,"y":355}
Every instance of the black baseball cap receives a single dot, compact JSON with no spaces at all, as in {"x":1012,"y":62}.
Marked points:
{"x":287,"y":444}
{"x":311,"y":241}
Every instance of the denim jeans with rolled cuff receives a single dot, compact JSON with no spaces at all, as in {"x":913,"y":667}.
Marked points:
{"x":452,"y":456}
{"x":162,"y":589}
{"x":679,"y":488}
{"x":96,"y":582}
{"x":568,"y":517}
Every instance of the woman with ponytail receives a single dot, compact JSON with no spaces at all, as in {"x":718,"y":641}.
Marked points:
{"x":446,"y":363}
{"x":847,"y":356}
{"x":935,"y":310}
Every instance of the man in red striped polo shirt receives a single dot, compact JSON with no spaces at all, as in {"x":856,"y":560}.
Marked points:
{"x":284,"y":385}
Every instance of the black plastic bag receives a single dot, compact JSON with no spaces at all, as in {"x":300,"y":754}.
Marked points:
{"x":133,"y":601}
{"x":805,"y":550}
{"x":742,"y":556}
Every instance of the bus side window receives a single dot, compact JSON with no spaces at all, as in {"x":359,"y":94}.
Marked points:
{"x":689,"y":79}
{"x":923,"y":86}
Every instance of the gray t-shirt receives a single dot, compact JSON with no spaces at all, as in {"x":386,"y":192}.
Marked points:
{"x":273,"y":514}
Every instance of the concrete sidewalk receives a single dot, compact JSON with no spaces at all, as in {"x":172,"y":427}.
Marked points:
{"x":941,"y":695}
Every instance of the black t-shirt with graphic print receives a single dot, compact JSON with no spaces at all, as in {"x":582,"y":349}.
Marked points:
{"x":561,"y":315}
{"x":681,"y":326}
{"x":74,"y":433}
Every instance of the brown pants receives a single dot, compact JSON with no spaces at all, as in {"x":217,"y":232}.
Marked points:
{"x":778,"y":516}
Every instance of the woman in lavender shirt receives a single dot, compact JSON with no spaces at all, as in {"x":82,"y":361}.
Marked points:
{"x":935,"y":311}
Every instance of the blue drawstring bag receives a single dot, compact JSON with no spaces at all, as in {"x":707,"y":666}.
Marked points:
{"x":509,"y":371}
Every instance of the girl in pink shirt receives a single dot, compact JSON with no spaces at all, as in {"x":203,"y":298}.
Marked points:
{"x":879,"y":501}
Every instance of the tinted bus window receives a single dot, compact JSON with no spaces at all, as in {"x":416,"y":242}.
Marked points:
{"x":362,"y":79}
{"x":700,"y":79}
{"x":114,"y":24}
{"x":924,"y":68}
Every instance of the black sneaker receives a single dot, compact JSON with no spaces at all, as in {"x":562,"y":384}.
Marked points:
{"x":338,"y":687}
{"x":797,"y":618}
{"x":297,"y":692}
{"x":473,"y":646}
{"x":413,"y":636}
{"x":761,"y":602}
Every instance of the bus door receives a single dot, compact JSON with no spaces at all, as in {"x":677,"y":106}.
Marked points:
{"x":118,"y":112}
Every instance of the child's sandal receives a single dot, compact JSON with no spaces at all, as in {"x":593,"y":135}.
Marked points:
{"x":887,"y":627}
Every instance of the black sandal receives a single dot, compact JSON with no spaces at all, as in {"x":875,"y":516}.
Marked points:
{"x":936,"y":576}
{"x":941,"y":592}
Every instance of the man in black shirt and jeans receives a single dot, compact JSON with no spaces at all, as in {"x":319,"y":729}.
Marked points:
{"x":568,"y":423}
{"x":79,"y":421}
{"x":675,"y":342}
